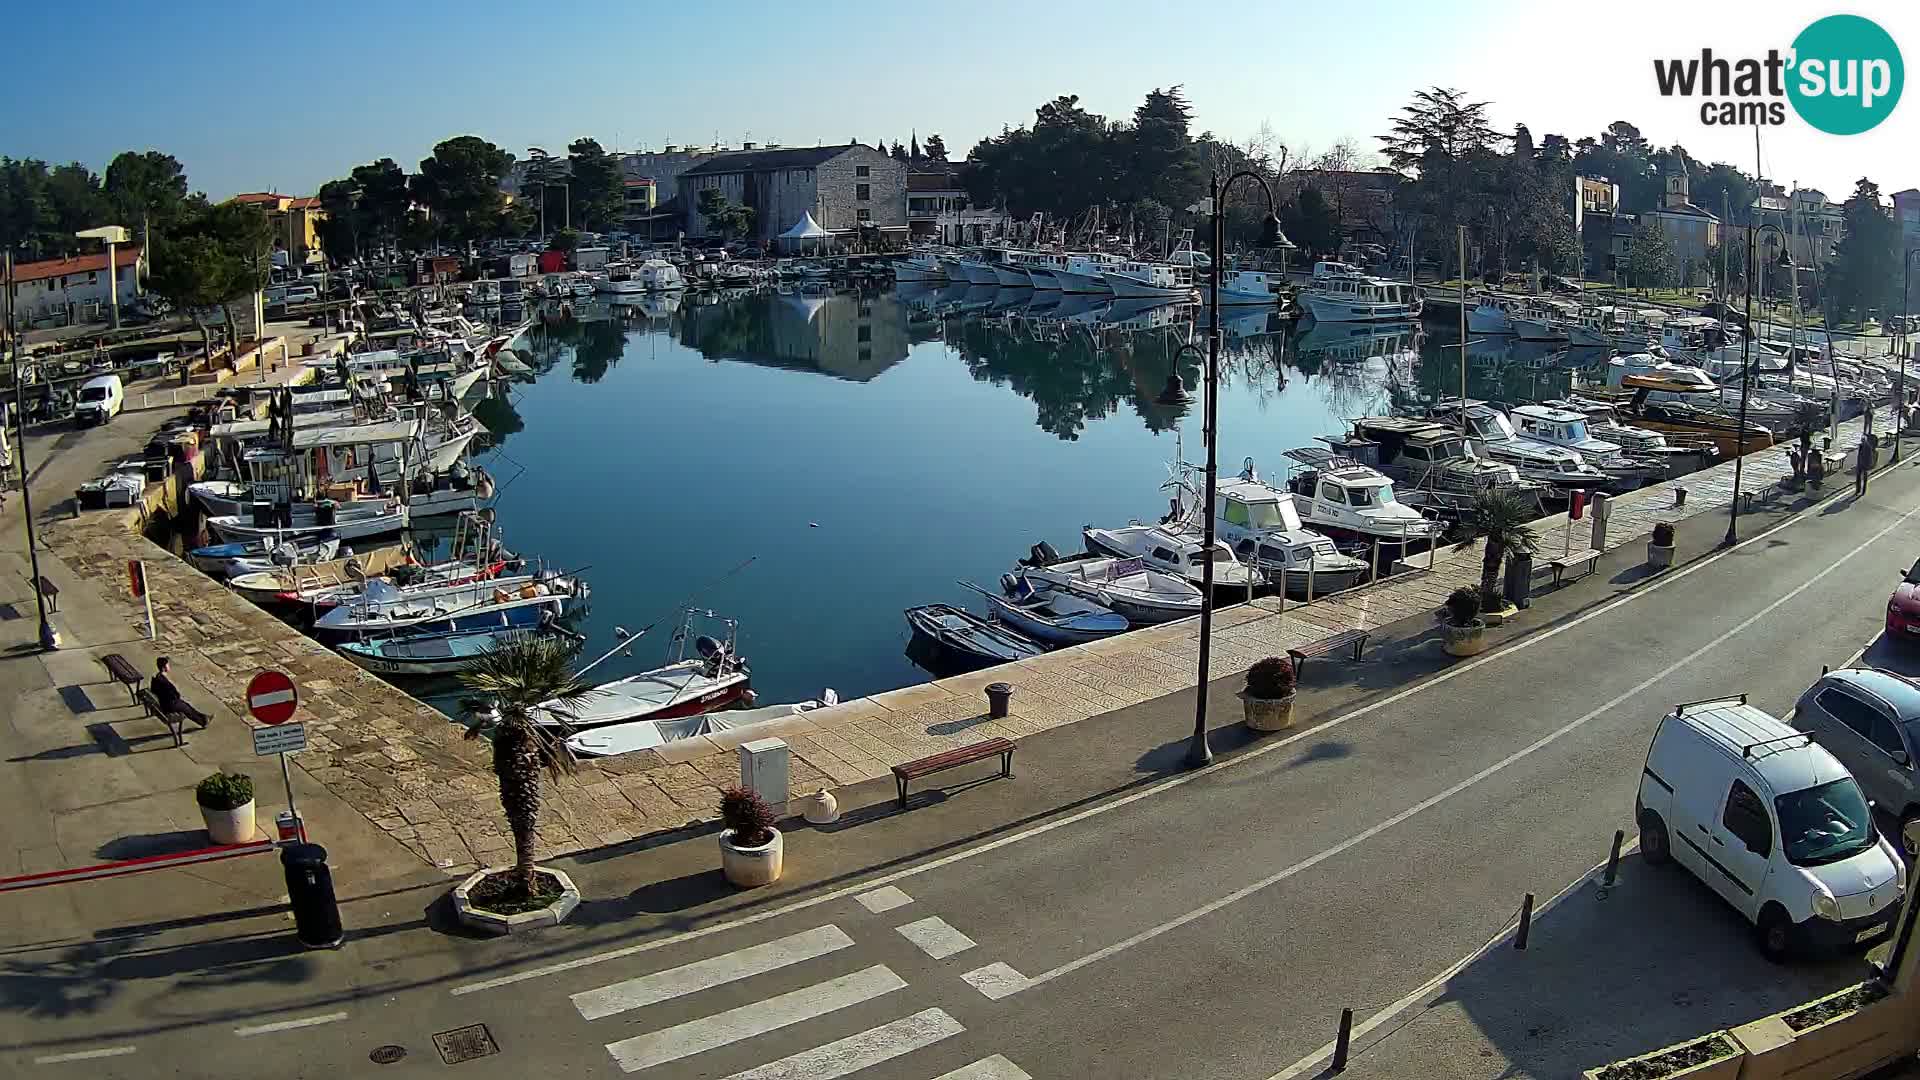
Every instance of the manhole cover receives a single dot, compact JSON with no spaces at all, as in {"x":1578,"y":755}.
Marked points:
{"x":465,"y":1044}
{"x":387,"y":1055}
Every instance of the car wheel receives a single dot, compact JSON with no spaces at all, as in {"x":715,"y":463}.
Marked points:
{"x":1653,"y":839}
{"x":1775,"y":933}
{"x":1908,"y":822}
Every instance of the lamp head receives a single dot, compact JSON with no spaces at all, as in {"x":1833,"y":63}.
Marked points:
{"x":1783,"y":261}
{"x":1174,"y":393}
{"x":1270,"y":234}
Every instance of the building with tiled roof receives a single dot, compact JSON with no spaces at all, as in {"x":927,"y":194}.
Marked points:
{"x":295,"y":219}
{"x":854,"y":191}
{"x":77,"y":289}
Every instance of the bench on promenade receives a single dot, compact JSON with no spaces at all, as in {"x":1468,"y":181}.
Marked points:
{"x":948,"y":759}
{"x":176,"y":723}
{"x":1587,"y":556}
{"x":51,"y":592}
{"x":124,"y":673}
{"x":1327,"y":646}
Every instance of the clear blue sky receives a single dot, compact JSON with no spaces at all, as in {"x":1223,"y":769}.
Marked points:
{"x":253,"y":96}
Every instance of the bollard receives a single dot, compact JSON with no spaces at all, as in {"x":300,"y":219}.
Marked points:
{"x":1526,"y":922}
{"x":1373,"y":575}
{"x":1342,"y":1042}
{"x":1310,"y":564}
{"x":316,"y":914}
{"x":1679,"y":496}
{"x":1613,"y":859}
{"x":998,"y":696}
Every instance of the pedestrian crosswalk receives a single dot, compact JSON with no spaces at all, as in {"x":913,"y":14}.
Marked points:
{"x":858,"y":985}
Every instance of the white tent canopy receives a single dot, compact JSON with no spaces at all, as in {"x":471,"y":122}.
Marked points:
{"x":806,"y":229}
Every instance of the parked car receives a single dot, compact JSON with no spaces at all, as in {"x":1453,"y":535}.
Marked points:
{"x":301,"y":294}
{"x":1870,"y":720}
{"x":1772,"y":822}
{"x":1903,"y":607}
{"x":100,"y":400}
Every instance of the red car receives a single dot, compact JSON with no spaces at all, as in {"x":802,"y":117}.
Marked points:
{"x":1903,"y":608}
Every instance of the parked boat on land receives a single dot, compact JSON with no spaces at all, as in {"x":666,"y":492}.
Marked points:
{"x":967,"y":639}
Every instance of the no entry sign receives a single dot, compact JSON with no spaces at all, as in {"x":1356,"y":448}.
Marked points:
{"x":271,"y":697}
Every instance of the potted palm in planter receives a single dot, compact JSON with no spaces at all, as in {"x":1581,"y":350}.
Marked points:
{"x":510,"y":682}
{"x":1502,"y":517}
{"x":1268,"y":696}
{"x":751,"y":850}
{"x":1465,"y":632}
{"x":1660,"y":547}
{"x":226,"y":805}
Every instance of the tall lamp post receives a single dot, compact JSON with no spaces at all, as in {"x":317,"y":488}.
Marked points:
{"x":49,"y":638}
{"x":1746,"y":376}
{"x":1904,"y":355}
{"x":1198,"y":752}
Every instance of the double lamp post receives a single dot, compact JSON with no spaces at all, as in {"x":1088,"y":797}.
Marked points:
{"x":1785,"y":262}
{"x":49,"y":637}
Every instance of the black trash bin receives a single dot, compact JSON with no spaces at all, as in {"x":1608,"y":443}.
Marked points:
{"x":1519,"y":583}
{"x":999,"y":695}
{"x":325,"y":513}
{"x":316,"y":914}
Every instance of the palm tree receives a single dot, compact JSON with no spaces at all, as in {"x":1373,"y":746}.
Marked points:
{"x":517,"y":676}
{"x":1502,"y":518}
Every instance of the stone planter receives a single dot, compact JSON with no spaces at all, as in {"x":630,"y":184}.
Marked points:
{"x":1659,"y":557}
{"x":1724,"y":1067}
{"x":1851,"y":1044}
{"x":751,"y":867}
{"x":1469,"y":640}
{"x":820,"y":808}
{"x":233,"y":826}
{"x":1268,"y":714}
{"x":495,"y":923}
{"x":1499,"y":618}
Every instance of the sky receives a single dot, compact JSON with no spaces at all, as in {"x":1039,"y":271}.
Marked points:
{"x":253,"y":97}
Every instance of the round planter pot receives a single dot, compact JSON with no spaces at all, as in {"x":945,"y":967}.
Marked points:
{"x":1467,"y":640}
{"x":820,"y":808}
{"x":1659,"y":557}
{"x":493,"y":922}
{"x":233,"y":826}
{"x":1268,"y":714}
{"x":751,"y":867}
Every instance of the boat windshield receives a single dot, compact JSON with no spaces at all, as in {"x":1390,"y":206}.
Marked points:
{"x":1220,"y":555}
{"x":1577,"y":431}
{"x":1825,"y":823}
{"x":1273,"y":515}
{"x":1371,"y":496}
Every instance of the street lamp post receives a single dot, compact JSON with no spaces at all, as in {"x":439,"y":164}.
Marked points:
{"x":1746,"y":376}
{"x":1198,"y":752}
{"x":1906,"y":348}
{"x":49,"y":637}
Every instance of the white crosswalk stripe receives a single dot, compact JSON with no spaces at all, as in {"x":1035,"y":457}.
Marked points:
{"x":713,"y":971}
{"x":936,"y":937}
{"x":993,"y":1068}
{"x":758,"y":1018}
{"x":855,"y":1052}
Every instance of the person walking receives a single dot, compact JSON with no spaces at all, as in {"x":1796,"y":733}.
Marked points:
{"x":168,"y":695}
{"x":1863,"y":464}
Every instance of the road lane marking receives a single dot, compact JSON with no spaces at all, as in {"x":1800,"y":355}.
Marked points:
{"x":884,"y":899}
{"x":993,"y":1068}
{"x":1436,"y":799}
{"x":855,"y":1052}
{"x":936,"y":937}
{"x":288,"y":1025}
{"x":1161,"y":788}
{"x":85,"y":1055}
{"x":996,"y":981}
{"x":757,"y":1018}
{"x":713,"y":971}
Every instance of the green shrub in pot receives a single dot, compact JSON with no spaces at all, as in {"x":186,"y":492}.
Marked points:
{"x":224,"y":791}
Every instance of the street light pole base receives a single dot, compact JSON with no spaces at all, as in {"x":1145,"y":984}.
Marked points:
{"x":1199,"y":754}
{"x":49,"y":637}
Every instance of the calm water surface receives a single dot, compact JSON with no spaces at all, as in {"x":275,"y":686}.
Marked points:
{"x":867,"y":451}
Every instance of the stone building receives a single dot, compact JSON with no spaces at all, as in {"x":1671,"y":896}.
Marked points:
{"x":854,"y":191}
{"x":1690,"y":229}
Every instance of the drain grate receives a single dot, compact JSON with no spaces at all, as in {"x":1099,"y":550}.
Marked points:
{"x":387,"y":1055}
{"x":465,"y":1044}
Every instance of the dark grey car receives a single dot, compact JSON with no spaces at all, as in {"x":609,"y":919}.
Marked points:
{"x":1870,"y":720}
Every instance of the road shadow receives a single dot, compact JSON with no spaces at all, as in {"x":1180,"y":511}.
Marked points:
{"x":1607,"y":974}
{"x":140,"y":845}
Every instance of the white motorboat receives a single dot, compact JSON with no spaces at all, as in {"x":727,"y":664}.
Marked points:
{"x":1264,"y":528}
{"x":234,"y":560}
{"x":359,"y":520}
{"x":1542,"y":320}
{"x":614,"y":739}
{"x":1494,"y":436}
{"x":1164,"y":548}
{"x":620,"y":280}
{"x":921,"y":266}
{"x":659,"y":275}
{"x":1050,"y":616}
{"x":1564,"y":427}
{"x":385,"y":610}
{"x":1433,"y":466}
{"x":1127,"y":586}
{"x":684,"y":686}
{"x":1042,"y":267}
{"x":1492,"y":314}
{"x":1604,"y":421}
{"x":1350,"y":501}
{"x":1147,"y":280}
{"x":1252,"y":287}
{"x":1341,"y":293}
{"x":1007,"y":273}
{"x":1086,"y":273}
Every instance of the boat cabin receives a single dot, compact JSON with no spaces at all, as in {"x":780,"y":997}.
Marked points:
{"x":1558,"y":426}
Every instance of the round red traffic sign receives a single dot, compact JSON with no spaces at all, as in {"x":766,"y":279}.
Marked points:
{"x":271,"y":697}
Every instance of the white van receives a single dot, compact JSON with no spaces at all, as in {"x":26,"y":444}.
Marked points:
{"x":1770,"y":821}
{"x":99,"y":401}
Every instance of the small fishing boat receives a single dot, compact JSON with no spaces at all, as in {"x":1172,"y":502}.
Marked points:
{"x":1163,"y":548}
{"x":684,"y":686}
{"x":968,"y":638}
{"x":254,"y":556}
{"x":1126,"y":586}
{"x":439,"y":654}
{"x":615,"y":739}
{"x":359,"y":520}
{"x":385,"y":610}
{"x":1052,"y":617}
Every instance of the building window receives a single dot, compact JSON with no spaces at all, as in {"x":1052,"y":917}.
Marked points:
{"x":863,"y":170}
{"x":863,"y":192}
{"x":865,"y":215}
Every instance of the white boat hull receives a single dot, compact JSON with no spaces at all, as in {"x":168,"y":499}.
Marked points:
{"x":1485,"y":321}
{"x":1010,"y":277}
{"x":441,"y":456}
{"x":1083,"y":284}
{"x":1336,"y":309}
{"x":908,"y":272}
{"x":978,"y":273}
{"x":233,"y":530}
{"x":630,"y":287}
{"x":1537,"y":330}
{"x":1128,"y":288}
{"x":1044,"y":279}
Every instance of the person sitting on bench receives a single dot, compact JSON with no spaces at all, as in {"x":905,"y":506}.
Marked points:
{"x":168,"y":695}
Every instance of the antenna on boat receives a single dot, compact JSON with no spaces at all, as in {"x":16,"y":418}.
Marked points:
{"x":626,"y":639}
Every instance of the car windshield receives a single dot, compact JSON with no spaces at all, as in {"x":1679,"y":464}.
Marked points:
{"x":1913,"y":575}
{"x":93,"y":393}
{"x":1825,"y":823}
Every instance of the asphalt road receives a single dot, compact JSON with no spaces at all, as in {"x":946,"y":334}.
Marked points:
{"x":1212,"y":924}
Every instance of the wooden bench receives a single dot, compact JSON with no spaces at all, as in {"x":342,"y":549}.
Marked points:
{"x":176,"y":723}
{"x":1572,"y":559}
{"x":948,"y":759}
{"x":124,"y":673}
{"x":1328,"y":645}
{"x":51,"y":592}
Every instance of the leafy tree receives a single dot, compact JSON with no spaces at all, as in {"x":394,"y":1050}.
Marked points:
{"x":1158,"y":154}
{"x":460,"y":183}
{"x":936,"y":148}
{"x":1724,"y":189}
{"x":520,"y":676}
{"x":211,"y":260}
{"x":597,"y":184}
{"x":1448,"y":141}
{"x":384,"y":200}
{"x":1735,"y":270}
{"x":147,"y":188}
{"x":1310,"y":222}
{"x":1866,"y":261}
{"x":899,"y":152}
{"x":544,"y":173}
{"x":564,"y":240}
{"x":341,"y":228}
{"x":191,"y":273}
{"x":724,"y":216}
{"x":1501,"y":515}
{"x":1650,"y":265}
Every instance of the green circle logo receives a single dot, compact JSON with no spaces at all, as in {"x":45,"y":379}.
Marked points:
{"x":1846,"y":75}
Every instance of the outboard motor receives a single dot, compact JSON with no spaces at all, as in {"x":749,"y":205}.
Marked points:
{"x":1041,"y":554}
